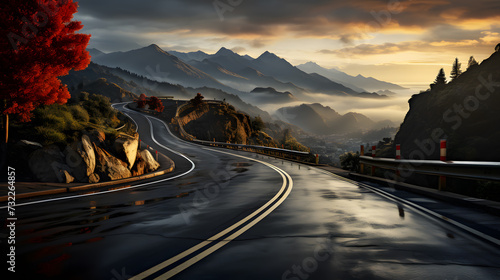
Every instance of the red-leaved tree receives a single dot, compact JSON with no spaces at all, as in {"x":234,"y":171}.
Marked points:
{"x":142,"y":101}
{"x":155,"y":103}
{"x":39,"y":43}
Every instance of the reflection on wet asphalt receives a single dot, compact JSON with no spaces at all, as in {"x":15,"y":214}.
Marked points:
{"x":326,"y":229}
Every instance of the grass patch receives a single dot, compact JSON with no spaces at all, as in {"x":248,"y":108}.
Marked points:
{"x":63,"y":124}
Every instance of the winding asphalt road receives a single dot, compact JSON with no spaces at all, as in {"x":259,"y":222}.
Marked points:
{"x":226,"y":214}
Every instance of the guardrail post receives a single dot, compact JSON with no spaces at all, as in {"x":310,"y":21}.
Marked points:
{"x":317,"y":159}
{"x":374,"y":149}
{"x":362,"y":165}
{"x":398,"y":157}
{"x":442,"y":157}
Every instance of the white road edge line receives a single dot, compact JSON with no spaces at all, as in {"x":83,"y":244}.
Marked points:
{"x":122,"y":189}
{"x":123,"y":106}
{"x":419,"y":208}
{"x":223,"y":242}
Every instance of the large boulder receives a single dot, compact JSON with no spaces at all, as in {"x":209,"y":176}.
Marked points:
{"x":109,"y":167}
{"x":139,"y":167}
{"x":97,"y":137}
{"x":81,"y":158}
{"x":151,"y":163}
{"x":126,"y":148}
{"x":67,"y":178}
{"x":49,"y":165}
{"x":94,"y":178}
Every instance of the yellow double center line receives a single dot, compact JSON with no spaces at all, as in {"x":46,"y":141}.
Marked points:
{"x":254,"y":218}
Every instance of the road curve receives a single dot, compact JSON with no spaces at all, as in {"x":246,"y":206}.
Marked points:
{"x":222,"y":221}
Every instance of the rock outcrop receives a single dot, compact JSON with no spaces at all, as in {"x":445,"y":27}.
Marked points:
{"x":49,"y":165}
{"x":150,"y":163}
{"x":221,"y":122}
{"x":126,"y":148}
{"x":109,"y":167}
{"x":82,"y":155}
{"x":139,"y":166}
{"x":89,"y":160}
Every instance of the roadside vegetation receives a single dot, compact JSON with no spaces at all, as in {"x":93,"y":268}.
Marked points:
{"x":63,"y":124}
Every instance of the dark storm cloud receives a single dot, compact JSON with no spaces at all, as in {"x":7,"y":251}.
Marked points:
{"x":268,"y":18}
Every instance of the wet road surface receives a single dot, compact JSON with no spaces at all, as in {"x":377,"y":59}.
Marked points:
{"x":318,"y":226}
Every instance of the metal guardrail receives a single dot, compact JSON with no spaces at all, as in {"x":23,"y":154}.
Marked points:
{"x":480,"y":170}
{"x":253,"y":147}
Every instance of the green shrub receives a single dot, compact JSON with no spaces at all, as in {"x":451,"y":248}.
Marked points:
{"x":48,"y":135}
{"x":98,"y":106}
{"x":55,"y":122}
{"x":79,"y":113}
{"x":350,"y":161}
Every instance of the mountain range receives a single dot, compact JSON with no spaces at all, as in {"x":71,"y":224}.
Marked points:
{"x":358,"y":83}
{"x":106,"y":81}
{"x":157,"y":64}
{"x":238,"y":79}
{"x":228,"y":71}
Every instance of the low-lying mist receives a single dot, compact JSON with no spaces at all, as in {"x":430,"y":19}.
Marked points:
{"x":393,"y":108}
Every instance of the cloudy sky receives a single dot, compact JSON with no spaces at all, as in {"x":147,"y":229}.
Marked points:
{"x":399,"y":41}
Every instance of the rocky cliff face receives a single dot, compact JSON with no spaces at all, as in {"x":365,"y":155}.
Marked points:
{"x":465,"y":112}
{"x":224,"y":124}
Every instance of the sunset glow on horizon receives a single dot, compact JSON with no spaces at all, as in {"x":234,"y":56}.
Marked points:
{"x":403,"y":42}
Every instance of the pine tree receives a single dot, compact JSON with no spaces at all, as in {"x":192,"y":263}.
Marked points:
{"x":455,"y":70}
{"x":441,"y":78}
{"x":472,"y":62}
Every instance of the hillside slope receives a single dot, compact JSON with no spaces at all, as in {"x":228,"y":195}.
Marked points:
{"x":465,"y":112}
{"x":222,"y":123}
{"x":79,"y":80}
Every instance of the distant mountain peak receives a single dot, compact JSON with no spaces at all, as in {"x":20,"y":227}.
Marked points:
{"x":310,"y":63}
{"x":268,"y":55}
{"x":224,"y":51}
{"x":155,"y":48}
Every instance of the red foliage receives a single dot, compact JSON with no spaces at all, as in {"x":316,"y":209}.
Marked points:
{"x":141,"y":102}
{"x":155,"y":104}
{"x":39,"y":44}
